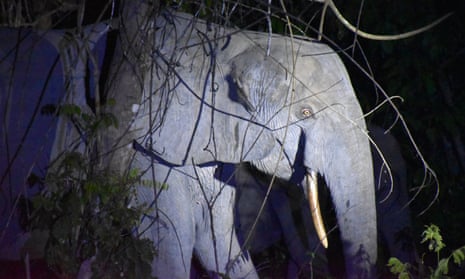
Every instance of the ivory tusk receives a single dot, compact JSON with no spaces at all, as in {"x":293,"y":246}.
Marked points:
{"x":312,"y":192}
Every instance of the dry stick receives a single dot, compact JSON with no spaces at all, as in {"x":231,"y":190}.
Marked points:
{"x":268,"y":19}
{"x":27,"y":265}
{"x":375,"y":37}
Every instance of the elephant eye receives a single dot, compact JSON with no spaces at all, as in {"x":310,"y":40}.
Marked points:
{"x":306,"y":112}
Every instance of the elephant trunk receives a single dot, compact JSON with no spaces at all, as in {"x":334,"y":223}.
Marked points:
{"x":345,"y":162}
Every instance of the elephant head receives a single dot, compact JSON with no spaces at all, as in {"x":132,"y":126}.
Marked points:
{"x":217,"y":95}
{"x":284,"y":217}
{"x":304,"y":97}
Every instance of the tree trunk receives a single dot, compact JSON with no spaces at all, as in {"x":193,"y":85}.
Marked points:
{"x":125,"y":83}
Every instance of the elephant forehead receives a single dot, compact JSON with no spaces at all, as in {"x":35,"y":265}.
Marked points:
{"x":307,"y":61}
{"x":293,"y":72}
{"x":319,"y":73}
{"x":198,"y":122}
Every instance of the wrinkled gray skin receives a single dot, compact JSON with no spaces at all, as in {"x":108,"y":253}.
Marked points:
{"x":285,"y":215}
{"x":213,"y":97}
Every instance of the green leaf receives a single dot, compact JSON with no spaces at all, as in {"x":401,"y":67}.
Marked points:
{"x":40,"y":201}
{"x":108,"y":120}
{"x":70,"y":109}
{"x":161,"y":186}
{"x":442,"y":269}
{"x":111,"y":102}
{"x":133,"y":174}
{"x":88,"y":119}
{"x":395,"y":265}
{"x":33,"y":179}
{"x":398,"y":268}
{"x":433,"y":237}
{"x":73,"y":160}
{"x":91,"y":189}
{"x":459,"y":255}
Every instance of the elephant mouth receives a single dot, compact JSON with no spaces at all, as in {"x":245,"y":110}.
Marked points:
{"x":311,"y":181}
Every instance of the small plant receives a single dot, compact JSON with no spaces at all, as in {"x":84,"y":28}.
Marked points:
{"x":91,"y":218}
{"x":87,"y":212}
{"x":398,"y":268}
{"x":431,"y":235}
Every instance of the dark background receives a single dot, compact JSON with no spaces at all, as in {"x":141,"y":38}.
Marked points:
{"x":425,"y":71}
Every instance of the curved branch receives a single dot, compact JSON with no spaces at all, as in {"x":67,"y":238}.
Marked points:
{"x":376,"y":37}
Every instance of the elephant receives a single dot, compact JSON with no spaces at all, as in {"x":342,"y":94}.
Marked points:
{"x":216,"y":96}
{"x":285,"y":215}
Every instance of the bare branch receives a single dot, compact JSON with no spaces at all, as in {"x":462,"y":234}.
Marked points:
{"x":376,"y":37}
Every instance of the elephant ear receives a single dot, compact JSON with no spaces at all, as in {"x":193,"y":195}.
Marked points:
{"x":192,"y":111}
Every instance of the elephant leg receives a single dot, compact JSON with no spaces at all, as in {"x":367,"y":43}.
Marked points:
{"x":216,"y":245}
{"x":280,"y":203}
{"x":307,"y":253}
{"x":285,"y":216}
{"x":394,"y":220}
{"x":249,"y":198}
{"x":169,"y":222}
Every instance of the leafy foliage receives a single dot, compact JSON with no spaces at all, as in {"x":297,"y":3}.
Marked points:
{"x":434,"y":238}
{"x":91,"y":217}
{"x":87,"y":211}
{"x":431,"y":236}
{"x":398,"y":268}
